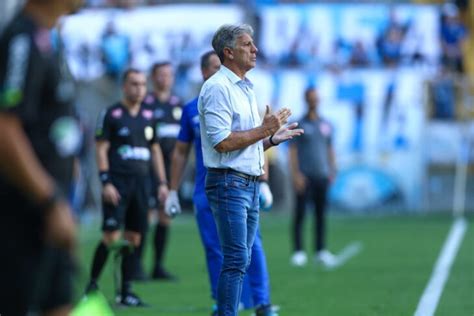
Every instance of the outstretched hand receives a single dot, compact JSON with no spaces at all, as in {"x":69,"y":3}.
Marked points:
{"x":286,"y":132}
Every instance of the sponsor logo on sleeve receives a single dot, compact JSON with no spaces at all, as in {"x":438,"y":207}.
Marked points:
{"x":16,"y":71}
{"x":148,"y":133}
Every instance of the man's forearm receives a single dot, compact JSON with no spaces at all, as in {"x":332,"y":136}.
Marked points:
{"x":19,"y":163}
{"x":102,"y":158}
{"x":179,"y":161}
{"x":242,"y":139}
{"x":158,"y":163}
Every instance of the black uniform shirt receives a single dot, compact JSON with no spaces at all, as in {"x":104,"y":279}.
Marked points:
{"x":36,"y":85}
{"x":168,"y":117}
{"x":130,"y":137}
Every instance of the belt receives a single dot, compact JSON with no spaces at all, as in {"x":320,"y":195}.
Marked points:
{"x":234,"y":172}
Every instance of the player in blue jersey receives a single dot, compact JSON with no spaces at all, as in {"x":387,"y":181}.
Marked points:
{"x":189,"y":134}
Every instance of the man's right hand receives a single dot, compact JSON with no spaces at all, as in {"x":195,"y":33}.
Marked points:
{"x":273,"y":121}
{"x":111,"y":194}
{"x":172,"y":206}
{"x":60,"y":226}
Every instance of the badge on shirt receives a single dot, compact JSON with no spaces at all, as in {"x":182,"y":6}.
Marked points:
{"x":325,"y":129}
{"x":177,"y":112}
{"x":148,"y":133}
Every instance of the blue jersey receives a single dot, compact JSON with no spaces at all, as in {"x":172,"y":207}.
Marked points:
{"x":189,"y":132}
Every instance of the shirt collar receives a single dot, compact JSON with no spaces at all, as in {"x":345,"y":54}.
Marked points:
{"x":234,"y":78}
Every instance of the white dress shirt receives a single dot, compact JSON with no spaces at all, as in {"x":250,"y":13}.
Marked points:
{"x":228,"y":104}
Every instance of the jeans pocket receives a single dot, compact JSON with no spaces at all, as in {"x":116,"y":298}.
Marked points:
{"x":238,"y":182}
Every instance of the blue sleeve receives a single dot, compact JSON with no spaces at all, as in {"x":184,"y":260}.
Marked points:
{"x":186,"y":133}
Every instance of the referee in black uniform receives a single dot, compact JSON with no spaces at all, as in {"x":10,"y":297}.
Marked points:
{"x":167,"y":109}
{"x":39,"y":137}
{"x":126,"y":144}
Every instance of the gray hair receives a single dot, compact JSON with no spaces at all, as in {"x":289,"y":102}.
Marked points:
{"x":226,"y":36}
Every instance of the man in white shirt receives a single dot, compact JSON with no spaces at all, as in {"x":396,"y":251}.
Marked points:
{"x":233,"y":140}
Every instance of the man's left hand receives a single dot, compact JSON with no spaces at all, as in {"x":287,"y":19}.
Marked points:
{"x":162,"y":193}
{"x":286,"y":132}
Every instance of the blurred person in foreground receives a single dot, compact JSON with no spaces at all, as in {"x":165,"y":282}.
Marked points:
{"x":313,"y":167}
{"x":127,"y":146}
{"x":39,"y":137}
{"x":189,"y":134}
{"x":167,"y":110}
{"x":233,"y":141}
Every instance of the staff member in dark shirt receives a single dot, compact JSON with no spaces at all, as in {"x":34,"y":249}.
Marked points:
{"x":313,"y":166}
{"x":126,"y":147}
{"x":39,"y":136}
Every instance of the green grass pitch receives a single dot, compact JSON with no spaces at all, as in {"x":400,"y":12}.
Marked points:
{"x":386,"y":278}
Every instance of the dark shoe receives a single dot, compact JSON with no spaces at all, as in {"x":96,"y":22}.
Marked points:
{"x":91,"y":287}
{"x":163,"y":275}
{"x":132,"y":300}
{"x":266,"y":310}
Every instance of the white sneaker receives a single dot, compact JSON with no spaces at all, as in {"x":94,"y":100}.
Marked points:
{"x":299,"y":258}
{"x":326,"y":258}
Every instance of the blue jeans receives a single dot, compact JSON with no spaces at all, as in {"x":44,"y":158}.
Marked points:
{"x":234,"y":203}
{"x":256,"y":286}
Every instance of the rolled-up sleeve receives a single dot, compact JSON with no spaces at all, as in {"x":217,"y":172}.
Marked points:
{"x":217,"y":113}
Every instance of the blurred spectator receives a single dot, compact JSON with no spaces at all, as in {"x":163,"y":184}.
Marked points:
{"x":303,"y":49}
{"x":292,"y":58}
{"x":389,"y":46}
{"x":442,"y":92}
{"x":453,"y":33}
{"x":115,"y":51}
{"x":341,"y":54}
{"x":359,"y":57}
{"x":390,"y":41}
{"x":186,"y":57}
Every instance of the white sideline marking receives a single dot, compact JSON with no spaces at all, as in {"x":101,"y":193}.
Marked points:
{"x":430,"y":298}
{"x":348,"y":252}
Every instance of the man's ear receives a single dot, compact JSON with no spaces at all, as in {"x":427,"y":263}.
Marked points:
{"x":228,"y":53}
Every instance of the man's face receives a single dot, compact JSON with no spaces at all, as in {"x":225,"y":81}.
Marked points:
{"x":134,"y":88}
{"x":212,"y":68}
{"x":163,"y":78}
{"x":244,"y":55}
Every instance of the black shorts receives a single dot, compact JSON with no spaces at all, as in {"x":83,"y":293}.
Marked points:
{"x":131,"y":212}
{"x":26,"y":258}
{"x":56,"y":279}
